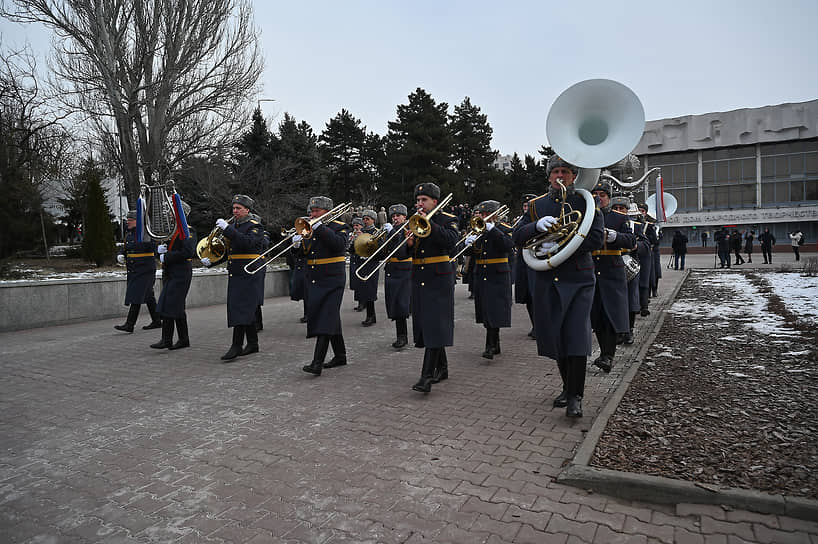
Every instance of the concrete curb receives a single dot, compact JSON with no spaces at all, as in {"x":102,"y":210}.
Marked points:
{"x":644,"y":487}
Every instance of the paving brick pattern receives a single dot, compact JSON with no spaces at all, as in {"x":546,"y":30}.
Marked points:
{"x":103,"y":439}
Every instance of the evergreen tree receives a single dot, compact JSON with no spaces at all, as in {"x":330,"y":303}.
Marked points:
{"x":342,"y":145}
{"x":472,"y":153}
{"x":536,"y":182}
{"x":419,"y":145}
{"x":517,"y":180}
{"x":98,"y":235}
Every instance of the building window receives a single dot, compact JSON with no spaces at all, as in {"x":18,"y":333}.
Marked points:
{"x":789,"y":173}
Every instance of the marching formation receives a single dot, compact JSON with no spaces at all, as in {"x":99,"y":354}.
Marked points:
{"x":583,"y":258}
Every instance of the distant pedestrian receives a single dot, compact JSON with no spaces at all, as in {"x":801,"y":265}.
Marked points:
{"x":382,"y":217}
{"x":704,"y":239}
{"x":748,"y":245}
{"x":722,"y":239}
{"x":679,"y":245}
{"x":767,"y":241}
{"x":735,"y":246}
{"x":796,"y":239}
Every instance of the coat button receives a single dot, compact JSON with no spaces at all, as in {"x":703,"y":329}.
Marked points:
{"x":422,"y":284}
{"x":556,"y":279}
{"x":313,"y":281}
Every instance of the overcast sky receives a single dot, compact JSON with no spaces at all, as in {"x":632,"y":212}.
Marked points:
{"x":514,"y":58}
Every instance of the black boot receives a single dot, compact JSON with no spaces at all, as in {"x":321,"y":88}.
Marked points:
{"x":496,"y":341}
{"x":360,"y":307}
{"x":304,"y":317}
{"x":607,"y":345}
{"x":441,"y":366}
{"x":370,"y":314}
{"x":133,"y":313}
{"x":562,"y":399}
{"x":488,"y":353}
{"x":320,"y":353}
{"x":575,"y":374}
{"x":529,"y":307}
{"x":236,"y":346}
{"x":252,"y":339}
{"x":259,"y":320}
{"x":181,"y":330}
{"x":167,"y":335}
{"x":424,"y":384}
{"x":401,"y":332}
{"x":156,"y":321}
{"x":339,"y":352}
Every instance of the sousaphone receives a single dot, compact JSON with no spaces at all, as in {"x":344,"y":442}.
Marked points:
{"x":592,"y":124}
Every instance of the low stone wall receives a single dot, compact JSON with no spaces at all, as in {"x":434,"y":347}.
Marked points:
{"x":31,"y":304}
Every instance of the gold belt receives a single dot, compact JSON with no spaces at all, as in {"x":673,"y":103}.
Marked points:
{"x":616,"y":252}
{"x":134,"y":255}
{"x":242,"y":256}
{"x":492,"y":261}
{"x":396,"y":260}
{"x":328,"y":260}
{"x":432,"y":260}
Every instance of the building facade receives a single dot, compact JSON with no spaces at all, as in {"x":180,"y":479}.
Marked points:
{"x":749,"y":169}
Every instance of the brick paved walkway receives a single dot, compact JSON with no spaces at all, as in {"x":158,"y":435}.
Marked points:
{"x":105,"y":440}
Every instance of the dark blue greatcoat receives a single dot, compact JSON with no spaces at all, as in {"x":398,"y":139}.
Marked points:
{"x":324,"y":282}
{"x":354,"y":262}
{"x":563,"y":296}
{"x":177,"y":271}
{"x":656,"y":271}
{"x":433,"y":284}
{"x":492,"y":280}
{"x":397,"y":283}
{"x":366,"y":291}
{"x":611,"y":291}
{"x":245,"y":292}
{"x":645,"y":254}
{"x":141,"y":265}
{"x":298,"y":265}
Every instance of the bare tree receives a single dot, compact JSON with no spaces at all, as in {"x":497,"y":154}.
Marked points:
{"x":160,"y":80}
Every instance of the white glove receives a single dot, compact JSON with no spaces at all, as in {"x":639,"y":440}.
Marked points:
{"x":545,"y":223}
{"x":547,"y":247}
{"x":387,"y":227}
{"x":120,"y":258}
{"x":489,"y":226}
{"x":162,"y":258}
{"x":206,"y":261}
{"x":471,"y":238}
{"x":611,"y":234}
{"x":162,"y":248}
{"x":316,"y":225}
{"x":297,"y":240}
{"x":221,"y":223}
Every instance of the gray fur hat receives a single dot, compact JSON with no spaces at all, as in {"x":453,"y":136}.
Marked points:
{"x":399,"y":209}
{"x":357,"y":221}
{"x":131,"y":214}
{"x":603,"y":185}
{"x":620,"y":200}
{"x":429,"y":189}
{"x":488,"y":206}
{"x":320,"y":202}
{"x":243,"y":200}
{"x":556,"y":161}
{"x":370,"y":214}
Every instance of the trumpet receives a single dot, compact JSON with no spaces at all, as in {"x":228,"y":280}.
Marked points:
{"x":302,"y":226}
{"x":477,"y":225}
{"x":418,"y":225}
{"x":215,"y":246}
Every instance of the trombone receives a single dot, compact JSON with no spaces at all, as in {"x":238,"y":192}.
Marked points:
{"x":477,"y":225}
{"x":304,"y":228}
{"x":417,"y":224}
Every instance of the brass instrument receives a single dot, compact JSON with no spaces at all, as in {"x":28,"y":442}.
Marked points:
{"x":477,"y":225}
{"x":561,"y":232}
{"x":303,"y":227}
{"x":366,"y":243}
{"x":418,"y":225}
{"x":156,"y":206}
{"x":215,"y":246}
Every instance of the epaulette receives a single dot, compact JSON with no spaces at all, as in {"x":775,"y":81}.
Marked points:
{"x":253,"y":221}
{"x":339,"y":222}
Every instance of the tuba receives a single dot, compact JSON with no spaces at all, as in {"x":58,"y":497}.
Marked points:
{"x":592,"y":124}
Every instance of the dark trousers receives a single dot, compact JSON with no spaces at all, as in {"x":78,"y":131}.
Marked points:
{"x":768,"y":254}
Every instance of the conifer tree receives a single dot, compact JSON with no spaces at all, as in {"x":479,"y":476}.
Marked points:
{"x":98,"y":235}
